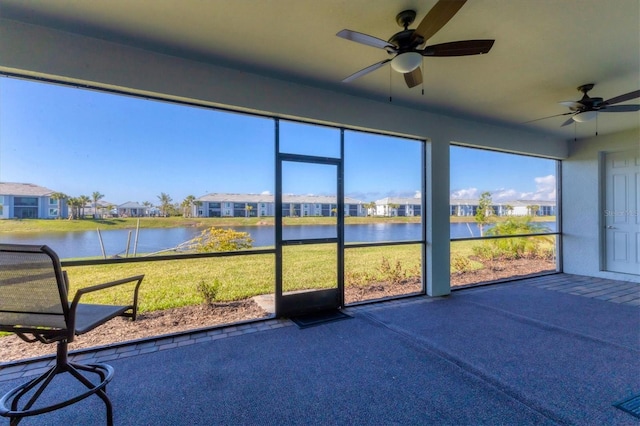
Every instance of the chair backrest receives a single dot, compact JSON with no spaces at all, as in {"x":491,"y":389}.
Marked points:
{"x":33,"y":295}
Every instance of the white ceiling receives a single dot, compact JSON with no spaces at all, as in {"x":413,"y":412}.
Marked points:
{"x":544,"y":49}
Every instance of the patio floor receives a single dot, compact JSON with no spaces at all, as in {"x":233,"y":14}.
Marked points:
{"x":558,"y":349}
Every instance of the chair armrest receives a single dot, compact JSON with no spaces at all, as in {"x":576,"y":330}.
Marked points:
{"x":85,"y":290}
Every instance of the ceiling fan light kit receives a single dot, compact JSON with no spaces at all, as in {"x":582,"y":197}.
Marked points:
{"x":583,"y":117}
{"x":406,"y":62}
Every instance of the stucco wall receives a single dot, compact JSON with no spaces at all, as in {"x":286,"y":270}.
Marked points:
{"x":581,"y":204}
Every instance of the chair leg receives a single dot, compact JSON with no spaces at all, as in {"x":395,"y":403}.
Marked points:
{"x":45,"y":378}
{"x":94,"y":368}
{"x":104,"y":372}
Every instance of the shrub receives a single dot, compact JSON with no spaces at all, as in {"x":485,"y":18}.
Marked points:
{"x":209,"y":290}
{"x":219,"y":239}
{"x":391,"y":274}
{"x":460,"y":264}
{"x":516,"y":247}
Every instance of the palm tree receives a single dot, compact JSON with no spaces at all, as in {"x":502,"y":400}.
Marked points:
{"x":247,"y":209}
{"x":509,"y":209}
{"x":75,"y":204}
{"x":371,"y":208}
{"x":84,"y":200}
{"x":96,"y":196}
{"x":165,"y":202}
{"x":392,"y":207}
{"x":186,"y":205}
{"x":147,"y":207}
{"x":59,"y":196}
{"x":198,"y":204}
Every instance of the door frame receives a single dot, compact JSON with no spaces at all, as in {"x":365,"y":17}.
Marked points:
{"x":315,"y":300}
{"x":606,"y":212}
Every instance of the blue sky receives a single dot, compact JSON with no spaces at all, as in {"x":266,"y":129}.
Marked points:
{"x":130,"y":149}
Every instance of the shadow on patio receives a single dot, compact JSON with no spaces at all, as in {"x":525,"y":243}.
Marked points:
{"x":554,"y":349}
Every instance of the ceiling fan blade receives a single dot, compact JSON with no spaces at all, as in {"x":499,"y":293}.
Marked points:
{"x":569,"y":121}
{"x":437,"y":17}
{"x":413,"y":78}
{"x":574,"y":105}
{"x":620,"y":108}
{"x":622,"y":98}
{"x":550,"y":116}
{"x":366,"y":70}
{"x":459,"y":48}
{"x":365,"y":39}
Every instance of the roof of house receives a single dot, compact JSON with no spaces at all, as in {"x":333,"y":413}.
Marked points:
{"x":513,"y":203}
{"x":403,"y":201}
{"x":24,"y":189}
{"x":131,"y":205}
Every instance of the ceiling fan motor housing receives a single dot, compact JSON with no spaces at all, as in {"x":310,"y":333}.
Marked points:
{"x":406,"y":40}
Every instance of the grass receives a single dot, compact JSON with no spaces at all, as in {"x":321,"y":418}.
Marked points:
{"x":174,"y":283}
{"x":178,"y":283}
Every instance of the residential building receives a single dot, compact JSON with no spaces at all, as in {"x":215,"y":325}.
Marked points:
{"x":29,"y":201}
{"x":132,"y":209}
{"x":261,"y":205}
{"x":399,"y":206}
{"x":469,"y":207}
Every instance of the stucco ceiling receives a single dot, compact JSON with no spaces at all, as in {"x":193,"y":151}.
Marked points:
{"x":544,"y":49}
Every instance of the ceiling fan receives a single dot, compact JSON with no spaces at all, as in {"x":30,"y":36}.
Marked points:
{"x":405,"y":45}
{"x":588,"y":107}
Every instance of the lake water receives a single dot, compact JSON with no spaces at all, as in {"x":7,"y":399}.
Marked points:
{"x":87,"y":243}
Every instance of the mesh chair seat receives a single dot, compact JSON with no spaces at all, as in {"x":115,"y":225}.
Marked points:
{"x":34,"y":305}
{"x":89,"y":316}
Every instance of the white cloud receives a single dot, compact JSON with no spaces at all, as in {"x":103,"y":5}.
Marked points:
{"x":545,"y":189}
{"x":465,"y":193}
{"x":418,"y":194}
{"x":265,"y":193}
{"x":504,"y":195}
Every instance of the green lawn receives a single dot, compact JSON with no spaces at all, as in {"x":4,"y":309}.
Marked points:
{"x":174,"y":283}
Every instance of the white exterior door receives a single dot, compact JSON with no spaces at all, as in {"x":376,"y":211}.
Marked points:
{"x":621,"y":220}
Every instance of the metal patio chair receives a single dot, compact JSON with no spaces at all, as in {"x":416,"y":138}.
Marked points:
{"x":34,"y":305}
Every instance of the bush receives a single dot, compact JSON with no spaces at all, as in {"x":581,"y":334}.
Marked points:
{"x":391,"y":274}
{"x":209,"y":290}
{"x":460,"y":264}
{"x":386,"y":273}
{"x":219,"y":239}
{"x":516,"y":247}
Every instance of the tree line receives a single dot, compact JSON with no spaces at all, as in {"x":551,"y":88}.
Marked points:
{"x":77,"y":205}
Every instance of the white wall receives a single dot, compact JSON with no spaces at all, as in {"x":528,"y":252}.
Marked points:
{"x":581,"y":207}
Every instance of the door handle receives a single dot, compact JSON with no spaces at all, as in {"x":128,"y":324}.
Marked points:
{"x":611,"y":227}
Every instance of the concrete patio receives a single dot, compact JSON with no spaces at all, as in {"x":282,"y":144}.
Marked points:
{"x":558,"y":349}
